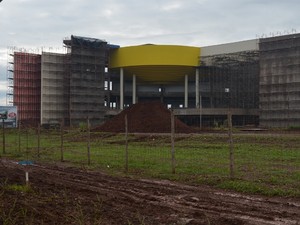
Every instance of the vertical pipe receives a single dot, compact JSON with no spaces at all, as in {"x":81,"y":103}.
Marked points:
{"x":186,"y":90}
{"x":198,"y":97}
{"x":121,"y":88}
{"x":133,"y":89}
{"x":109,"y":91}
{"x":27,"y":178}
{"x":197,"y":89}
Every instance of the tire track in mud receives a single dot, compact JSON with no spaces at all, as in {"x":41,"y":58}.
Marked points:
{"x":155,"y":199}
{"x":187,"y":203}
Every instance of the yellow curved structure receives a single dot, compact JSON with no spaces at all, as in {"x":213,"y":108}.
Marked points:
{"x":156,"y":63}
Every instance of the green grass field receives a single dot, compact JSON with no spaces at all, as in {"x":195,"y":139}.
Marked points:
{"x":266,"y":164}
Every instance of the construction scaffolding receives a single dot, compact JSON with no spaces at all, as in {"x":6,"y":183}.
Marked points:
{"x":54,"y":89}
{"x":230,"y":81}
{"x":279,"y":89}
{"x":26,"y":82}
{"x":86,"y":71}
{"x":258,"y":85}
{"x":10,"y":76}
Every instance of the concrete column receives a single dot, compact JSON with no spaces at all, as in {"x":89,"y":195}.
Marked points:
{"x":133,"y":89}
{"x":197,"y":90}
{"x":121,"y":88}
{"x":186,"y":91}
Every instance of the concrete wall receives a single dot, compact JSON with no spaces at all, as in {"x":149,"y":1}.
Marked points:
{"x":54,"y":90}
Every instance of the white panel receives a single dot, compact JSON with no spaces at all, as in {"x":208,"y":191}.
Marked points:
{"x":240,"y":46}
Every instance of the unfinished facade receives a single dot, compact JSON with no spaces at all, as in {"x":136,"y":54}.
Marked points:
{"x":201,"y":85}
{"x":279,"y":86}
{"x":27,"y":87}
{"x":87,"y":59}
{"x":255,"y":81}
{"x":230,"y":82}
{"x":54,"y":89}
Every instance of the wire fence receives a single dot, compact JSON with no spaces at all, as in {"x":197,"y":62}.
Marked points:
{"x":259,"y":161}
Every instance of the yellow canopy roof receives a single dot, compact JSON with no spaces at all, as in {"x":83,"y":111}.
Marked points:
{"x":156,"y":63}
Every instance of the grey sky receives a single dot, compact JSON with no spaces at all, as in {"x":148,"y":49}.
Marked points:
{"x":37,"y":23}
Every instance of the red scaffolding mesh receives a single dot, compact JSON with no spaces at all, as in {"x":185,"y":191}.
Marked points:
{"x":27,"y":87}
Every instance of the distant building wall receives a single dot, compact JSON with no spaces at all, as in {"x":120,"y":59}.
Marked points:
{"x":27,"y":87}
{"x":70,"y":87}
{"x":234,"y":66}
{"x":279,"y":91}
{"x":234,"y":47}
{"x":54,"y":89}
{"x":86,"y":71}
{"x":230,"y":81}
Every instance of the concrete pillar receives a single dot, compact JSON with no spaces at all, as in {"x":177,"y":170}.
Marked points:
{"x":133,"y":89}
{"x":186,"y":91}
{"x":197,"y":90}
{"x":121,"y":88}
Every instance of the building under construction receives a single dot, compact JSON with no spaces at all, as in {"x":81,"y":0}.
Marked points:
{"x":279,"y":86}
{"x":86,"y":62}
{"x":72,"y":84}
{"x":27,"y":86}
{"x":53,"y":88}
{"x":255,"y":81}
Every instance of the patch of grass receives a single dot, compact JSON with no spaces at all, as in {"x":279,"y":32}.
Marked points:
{"x":273,"y":160}
{"x":256,"y":188}
{"x":294,"y":128}
{"x":18,"y":188}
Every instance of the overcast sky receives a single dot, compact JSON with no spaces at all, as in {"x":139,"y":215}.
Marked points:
{"x":40,"y":23}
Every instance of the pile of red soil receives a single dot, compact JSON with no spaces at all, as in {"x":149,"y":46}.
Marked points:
{"x":144,"y":117}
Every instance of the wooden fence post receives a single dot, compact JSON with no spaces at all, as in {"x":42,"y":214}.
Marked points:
{"x":61,"y":141}
{"x":39,"y":140}
{"x":126,"y":144}
{"x":27,"y":144}
{"x":88,"y":141}
{"x":231,"y":151}
{"x":19,"y":138}
{"x":173,"y":141}
{"x":3,"y":136}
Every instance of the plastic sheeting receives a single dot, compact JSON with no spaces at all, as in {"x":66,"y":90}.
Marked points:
{"x":88,"y":42}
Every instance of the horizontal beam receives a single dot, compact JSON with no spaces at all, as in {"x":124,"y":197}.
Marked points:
{"x":215,"y":111}
{"x":203,"y":111}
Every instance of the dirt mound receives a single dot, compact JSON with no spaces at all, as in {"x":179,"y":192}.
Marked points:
{"x":144,"y":117}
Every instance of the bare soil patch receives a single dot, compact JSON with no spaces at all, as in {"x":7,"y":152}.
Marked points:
{"x":68,"y":195}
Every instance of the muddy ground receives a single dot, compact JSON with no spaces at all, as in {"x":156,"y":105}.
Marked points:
{"x":64,"y":195}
